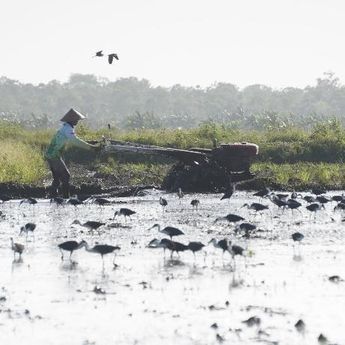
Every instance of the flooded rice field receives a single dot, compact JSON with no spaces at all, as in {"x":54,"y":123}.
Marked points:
{"x":147,"y":297}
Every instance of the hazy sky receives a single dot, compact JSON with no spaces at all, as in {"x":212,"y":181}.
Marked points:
{"x":190,"y":42}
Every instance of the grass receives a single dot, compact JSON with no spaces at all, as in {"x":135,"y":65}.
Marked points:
{"x":317,"y":156}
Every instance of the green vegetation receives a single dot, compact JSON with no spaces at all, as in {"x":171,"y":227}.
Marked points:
{"x":289,"y":157}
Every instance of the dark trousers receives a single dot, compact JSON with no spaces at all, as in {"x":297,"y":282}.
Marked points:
{"x":61,"y":176}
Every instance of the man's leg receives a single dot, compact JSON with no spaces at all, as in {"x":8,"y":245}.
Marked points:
{"x":64,"y":178}
{"x":53,"y":165}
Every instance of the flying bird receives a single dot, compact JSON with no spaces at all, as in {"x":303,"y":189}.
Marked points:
{"x":99,"y":54}
{"x":111,"y":57}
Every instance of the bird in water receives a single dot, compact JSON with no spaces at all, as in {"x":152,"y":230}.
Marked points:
{"x":111,"y":57}
{"x":309,"y":199}
{"x":180,"y":193}
{"x":195,"y":203}
{"x":17,"y":248}
{"x":30,"y":201}
{"x":28,"y":227}
{"x":297,"y":236}
{"x":293,"y":204}
{"x":229,"y":191}
{"x":262,"y":193}
{"x":57,"y":200}
{"x":195,"y":247}
{"x":103,"y":249}
{"x":101,"y":201}
{"x":71,"y":246}
{"x":257,"y":207}
{"x":163,"y":202}
{"x":90,"y":224}
{"x":222,"y":244}
{"x":231,"y":218}
{"x":126,"y":212}
{"x":75,"y":201}
{"x":168,"y":230}
{"x":248,"y":228}
{"x":168,"y":244}
{"x":315,"y":207}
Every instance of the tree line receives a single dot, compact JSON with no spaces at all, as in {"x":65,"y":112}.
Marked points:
{"x":130,"y":103}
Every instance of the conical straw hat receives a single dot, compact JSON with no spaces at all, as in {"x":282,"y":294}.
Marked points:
{"x":72,"y":115}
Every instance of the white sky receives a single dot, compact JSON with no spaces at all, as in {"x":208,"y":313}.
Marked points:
{"x":189,"y":42}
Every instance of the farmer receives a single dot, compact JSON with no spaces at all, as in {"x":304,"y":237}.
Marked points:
{"x":65,"y":135}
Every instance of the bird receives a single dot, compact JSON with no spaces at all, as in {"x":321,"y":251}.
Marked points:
{"x":75,"y":201}
{"x":246,"y":227}
{"x":300,"y":325}
{"x":277,"y":201}
{"x":168,"y":230}
{"x":235,"y":250}
{"x":318,"y":191}
{"x":229,"y":191}
{"x":163,"y":202}
{"x":163,"y":243}
{"x":102,"y":249}
{"x":28,"y":227}
{"x":195,"y":203}
{"x":111,"y":57}
{"x":315,"y":207}
{"x":322,"y":199}
{"x":262,"y":193}
{"x":339,"y":206}
{"x":90,"y":224}
{"x":180,"y":193}
{"x":293,"y":204}
{"x":30,"y":201}
{"x":257,"y":207}
{"x":126,"y":212}
{"x":309,"y":198}
{"x":70,"y":246}
{"x":338,"y":198}
{"x":195,"y":246}
{"x":297,"y":236}
{"x":101,"y":201}
{"x":174,"y":246}
{"x":222,"y":244}
{"x":17,"y":248}
{"x":99,"y":54}
{"x":231,"y":218}
{"x":57,"y":200}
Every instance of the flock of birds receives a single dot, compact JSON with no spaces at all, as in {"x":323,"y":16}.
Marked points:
{"x":283,"y":201}
{"x":111,"y":56}
{"x":315,"y":201}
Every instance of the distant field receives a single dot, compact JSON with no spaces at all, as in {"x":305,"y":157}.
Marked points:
{"x":290,"y":158}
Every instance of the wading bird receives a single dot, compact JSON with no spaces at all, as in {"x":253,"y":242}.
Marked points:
{"x":170,"y":245}
{"x":297,"y":237}
{"x":57,"y":200}
{"x":103,"y":249}
{"x":262,"y":193}
{"x":168,"y":230}
{"x":231,"y":218}
{"x":257,"y":207}
{"x":70,"y":246}
{"x":246,"y":227}
{"x":195,"y":247}
{"x":126,"y":212}
{"x":222,"y":244}
{"x":180,"y":194}
{"x":30,"y":201}
{"x":229,"y":191}
{"x":17,"y":248}
{"x":195,"y":203}
{"x":163,"y":202}
{"x":101,"y":201}
{"x":315,"y":207}
{"x":75,"y":201}
{"x":28,"y":227}
{"x":90,"y":224}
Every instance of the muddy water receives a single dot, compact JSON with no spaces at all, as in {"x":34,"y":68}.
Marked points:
{"x":150,"y":299}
